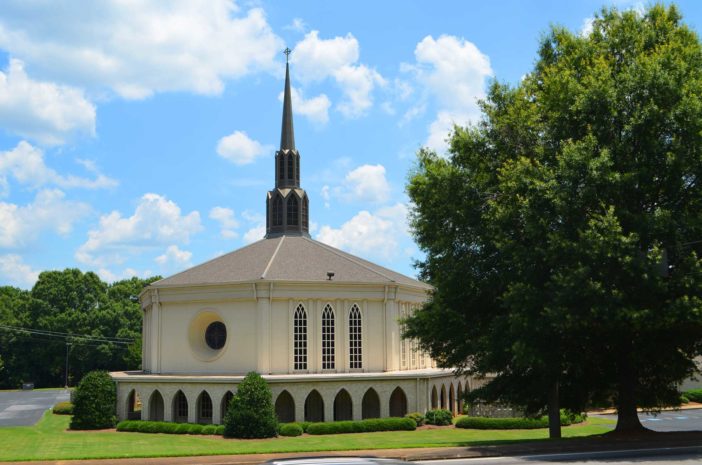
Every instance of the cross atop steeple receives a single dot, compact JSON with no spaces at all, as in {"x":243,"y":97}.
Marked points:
{"x":287,"y":53}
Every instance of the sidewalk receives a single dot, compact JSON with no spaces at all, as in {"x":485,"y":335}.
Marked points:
{"x":602,"y":443}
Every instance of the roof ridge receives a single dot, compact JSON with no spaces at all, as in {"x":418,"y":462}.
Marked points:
{"x":209,"y":261}
{"x":270,"y":262}
{"x":348,"y":257}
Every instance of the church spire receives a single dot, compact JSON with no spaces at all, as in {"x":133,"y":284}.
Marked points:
{"x":287,"y":205}
{"x":287,"y":133}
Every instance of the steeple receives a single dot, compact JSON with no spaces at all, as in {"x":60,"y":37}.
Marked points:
{"x":287,"y":205}
{"x":287,"y":133}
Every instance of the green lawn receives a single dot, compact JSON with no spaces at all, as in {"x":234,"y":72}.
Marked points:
{"x":49,"y":440}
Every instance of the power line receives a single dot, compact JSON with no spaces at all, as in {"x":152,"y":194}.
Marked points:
{"x":62,"y":335}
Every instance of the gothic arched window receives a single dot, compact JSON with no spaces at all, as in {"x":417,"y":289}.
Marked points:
{"x":281,"y":166}
{"x":300,"y":338}
{"x":305,"y":213}
{"x":355,"y":339}
{"x":328,"y":338}
{"x":297,"y":169}
{"x":290,"y":166}
{"x":292,"y":210}
{"x":277,"y":211}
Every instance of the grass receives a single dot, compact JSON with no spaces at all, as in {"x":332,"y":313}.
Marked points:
{"x":49,"y":440}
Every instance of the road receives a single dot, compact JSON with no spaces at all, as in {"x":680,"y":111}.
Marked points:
{"x":656,"y":456}
{"x":681,"y":420}
{"x":24,"y":408}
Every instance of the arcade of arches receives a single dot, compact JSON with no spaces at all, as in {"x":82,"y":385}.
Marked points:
{"x":299,"y":401}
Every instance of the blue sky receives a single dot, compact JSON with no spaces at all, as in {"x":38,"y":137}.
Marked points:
{"x":137,"y":138}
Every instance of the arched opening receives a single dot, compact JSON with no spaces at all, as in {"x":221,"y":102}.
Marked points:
{"x":452,"y":401}
{"x":459,"y":398}
{"x":297,"y":169}
{"x":204,"y":408}
{"x":156,"y":406}
{"x":133,"y":406}
{"x":434,"y":398}
{"x":443,"y":397}
{"x":180,"y":408}
{"x":314,"y":407}
{"x":398,"y":403}
{"x":277,"y":211}
{"x":281,"y":166}
{"x":370,"y":405}
{"x":285,"y":407}
{"x":290,"y":166}
{"x":292,"y":211}
{"x":226,"y":400}
{"x":343,"y":406}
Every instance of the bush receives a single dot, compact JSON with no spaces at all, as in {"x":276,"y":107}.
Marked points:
{"x":209,"y":429}
{"x":195,"y":429}
{"x":695,"y":395}
{"x":684,"y":399}
{"x":220,"y":430}
{"x":63,"y":408}
{"x":501,"y":423}
{"x":166,"y":427}
{"x":439,"y":417}
{"x":250,"y":413}
{"x":363,"y":426}
{"x":94,"y":402}
{"x":290,"y":429}
{"x":570,"y":418}
{"x":417,"y":417}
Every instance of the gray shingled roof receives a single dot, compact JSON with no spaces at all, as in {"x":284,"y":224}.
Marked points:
{"x":287,"y":258}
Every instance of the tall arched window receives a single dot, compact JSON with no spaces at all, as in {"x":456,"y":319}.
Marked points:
{"x":290,"y":166}
{"x":297,"y":169}
{"x":355,"y":339}
{"x":277,"y":211}
{"x":328,"y":338}
{"x":305,"y":213}
{"x":281,"y":166}
{"x":292,"y":210}
{"x":300,"y":338}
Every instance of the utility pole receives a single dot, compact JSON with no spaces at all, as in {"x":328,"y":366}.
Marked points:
{"x":68,"y":345}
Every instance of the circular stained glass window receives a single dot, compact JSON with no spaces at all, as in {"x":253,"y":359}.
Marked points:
{"x":216,"y":335}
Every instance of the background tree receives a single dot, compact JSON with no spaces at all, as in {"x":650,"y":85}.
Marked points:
{"x":562,"y":233}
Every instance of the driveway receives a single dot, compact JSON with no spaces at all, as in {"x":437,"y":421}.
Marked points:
{"x":675,"y":420}
{"x":24,"y":408}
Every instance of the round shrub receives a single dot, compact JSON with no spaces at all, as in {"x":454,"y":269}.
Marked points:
{"x":290,"y":429}
{"x":63,"y":408}
{"x":182,"y":428}
{"x":209,"y":429}
{"x":439,"y":417}
{"x":94,"y":402}
{"x":220,"y":430}
{"x":417,"y":417}
{"x":195,"y":429}
{"x":251,"y":413}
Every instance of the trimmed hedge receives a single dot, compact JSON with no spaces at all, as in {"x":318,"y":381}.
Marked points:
{"x":439,"y":417}
{"x":63,"y":408}
{"x":417,"y":417}
{"x":290,"y":429}
{"x":567,"y":419}
{"x":94,"y":402}
{"x":362,"y":426}
{"x":165,"y":427}
{"x":695,"y":395}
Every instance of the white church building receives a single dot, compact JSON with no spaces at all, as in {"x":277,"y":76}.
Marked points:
{"x":320,"y":325}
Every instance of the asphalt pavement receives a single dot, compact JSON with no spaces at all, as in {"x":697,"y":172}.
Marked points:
{"x":671,"y":420}
{"x":24,"y":408}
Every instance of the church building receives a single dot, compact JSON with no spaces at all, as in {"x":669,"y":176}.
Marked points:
{"x":320,"y":325}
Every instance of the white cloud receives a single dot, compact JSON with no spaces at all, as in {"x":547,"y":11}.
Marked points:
{"x":156,"y":221}
{"x":127,"y":273}
{"x":227,"y":222}
{"x":138,"y":48}
{"x":21,"y":225}
{"x":297,"y":25}
{"x":367,"y":183}
{"x":586,"y":27}
{"x":326,"y":196}
{"x":26,"y":164}
{"x":370,"y":234}
{"x":316,"y":109}
{"x":175,"y":257}
{"x":240,"y":149}
{"x":317,"y":59}
{"x":15,"y":272}
{"x":42,"y":111}
{"x":257,"y":230}
{"x":453,"y":71}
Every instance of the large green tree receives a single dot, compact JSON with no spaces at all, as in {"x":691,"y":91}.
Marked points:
{"x":562,"y":233}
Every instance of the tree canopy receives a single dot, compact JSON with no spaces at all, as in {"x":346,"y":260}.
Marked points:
{"x":65,"y":307}
{"x":562,"y":232}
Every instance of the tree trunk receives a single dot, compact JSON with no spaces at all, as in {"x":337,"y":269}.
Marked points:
{"x":554,"y":413}
{"x":627,"y":416}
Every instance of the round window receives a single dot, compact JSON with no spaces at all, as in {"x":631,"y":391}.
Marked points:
{"x":216,"y":335}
